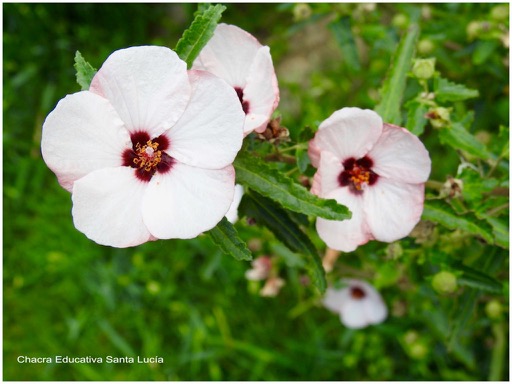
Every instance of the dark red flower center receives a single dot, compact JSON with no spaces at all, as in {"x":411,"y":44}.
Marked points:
{"x":244,"y":103}
{"x":147,"y":155}
{"x":357,"y":293}
{"x":357,"y":174}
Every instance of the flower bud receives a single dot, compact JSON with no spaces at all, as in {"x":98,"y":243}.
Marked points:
{"x":474,"y":29}
{"x":301,"y":12}
{"x":424,"y":68}
{"x":500,"y":12}
{"x":400,"y":21}
{"x":444,"y":282}
{"x":439,"y":117}
{"x":494,"y":309}
{"x":425,"y":47}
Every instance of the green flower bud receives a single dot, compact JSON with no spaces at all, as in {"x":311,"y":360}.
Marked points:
{"x":473,"y":29}
{"x":444,"y":282}
{"x":425,"y":47}
{"x":424,"y":68}
{"x":418,"y":351}
{"x":494,"y":309}
{"x":500,"y":12}
{"x":301,"y":12}
{"x":400,"y":21}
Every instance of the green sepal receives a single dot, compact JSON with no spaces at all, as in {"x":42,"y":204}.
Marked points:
{"x":84,"y":71}
{"x":225,"y":236}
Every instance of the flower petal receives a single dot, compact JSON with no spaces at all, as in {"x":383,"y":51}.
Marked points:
{"x":228,"y":54}
{"x":344,"y":235}
{"x":148,"y":86}
{"x":392,"y":209}
{"x":209,"y":134}
{"x":353,"y":315}
{"x":82,"y":134}
{"x":232,"y":214}
{"x":261,"y":92}
{"x":326,"y":178}
{"x":334,"y":299}
{"x":349,"y":132}
{"x":107,"y":207}
{"x":187,"y":201}
{"x":401,"y":156}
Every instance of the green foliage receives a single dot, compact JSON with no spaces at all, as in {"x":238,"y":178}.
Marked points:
{"x":275,"y":218}
{"x":84,"y":71}
{"x":263,"y":179}
{"x":447,"y":91}
{"x":226,"y":238}
{"x":200,"y":31}
{"x":392,"y":90}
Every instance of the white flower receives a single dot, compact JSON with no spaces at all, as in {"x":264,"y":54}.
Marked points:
{"x":358,"y":304}
{"x":232,"y":214}
{"x":377,"y":170}
{"x":237,"y":57}
{"x":147,"y":151}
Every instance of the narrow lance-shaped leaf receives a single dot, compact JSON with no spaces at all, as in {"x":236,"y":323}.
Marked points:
{"x":275,"y":218}
{"x":258,"y":176}
{"x":457,"y":137}
{"x":442,"y":213}
{"x":198,"y":34}
{"x":476,"y":279}
{"x":84,"y":71}
{"x":447,"y":91}
{"x":225,"y":236}
{"x":393,"y":88}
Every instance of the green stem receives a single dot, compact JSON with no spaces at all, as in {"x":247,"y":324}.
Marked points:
{"x":498,"y":353}
{"x":432,"y":184}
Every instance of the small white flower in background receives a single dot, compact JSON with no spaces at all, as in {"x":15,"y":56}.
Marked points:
{"x":260,"y":270}
{"x":358,"y":304}
{"x":232,"y":214}
{"x":147,"y":151}
{"x":237,"y":57}
{"x":272,"y":287}
{"x":377,"y":170}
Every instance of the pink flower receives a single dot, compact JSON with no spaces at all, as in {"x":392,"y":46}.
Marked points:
{"x":260,"y":270}
{"x":377,"y":170}
{"x":357,"y":303}
{"x":147,"y":151}
{"x":237,"y":57}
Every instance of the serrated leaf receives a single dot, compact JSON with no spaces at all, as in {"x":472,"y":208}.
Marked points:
{"x":343,"y":35}
{"x":416,"y":119}
{"x":257,"y":175}
{"x":500,"y":230}
{"x":225,"y":236}
{"x":301,"y":155}
{"x":199,"y":33}
{"x":84,"y":71}
{"x":476,"y":279}
{"x":393,"y":88}
{"x":457,"y":137}
{"x":441,"y":212}
{"x":445,"y":90}
{"x":275,"y":218}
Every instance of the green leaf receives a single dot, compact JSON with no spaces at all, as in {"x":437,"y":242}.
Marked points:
{"x":343,"y":34}
{"x":84,"y":71}
{"x":441,"y":212}
{"x":500,"y":230}
{"x":416,"y":119}
{"x":476,"y":279}
{"x":445,"y":90}
{"x":226,"y":237}
{"x":198,"y":34}
{"x":275,"y":218}
{"x":301,"y":155}
{"x":257,"y":175}
{"x":393,"y":87}
{"x":484,"y":50}
{"x":457,"y":137}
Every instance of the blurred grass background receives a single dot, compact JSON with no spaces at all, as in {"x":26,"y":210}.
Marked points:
{"x":184,"y":300}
